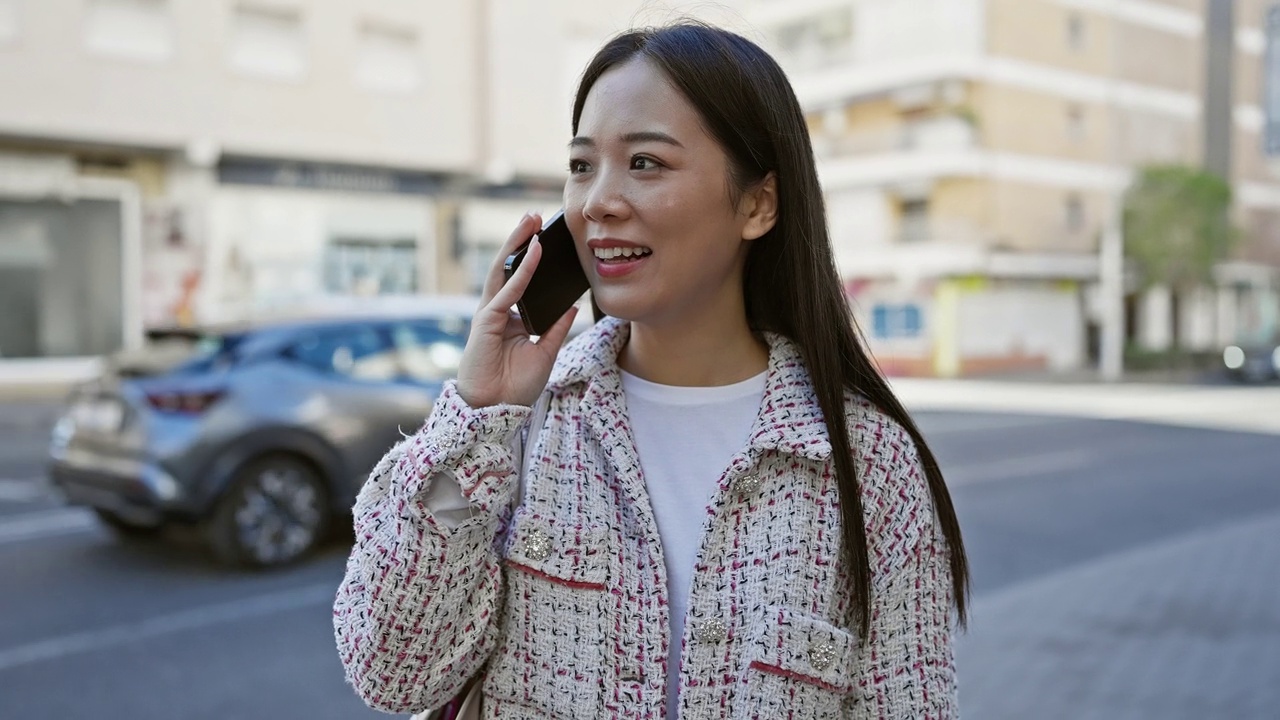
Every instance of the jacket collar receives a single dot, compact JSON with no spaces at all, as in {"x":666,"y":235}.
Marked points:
{"x":790,"y":419}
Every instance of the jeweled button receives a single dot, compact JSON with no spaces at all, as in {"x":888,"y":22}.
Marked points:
{"x":748,"y":484}
{"x":537,"y":545}
{"x":712,"y":631}
{"x":821,"y":655}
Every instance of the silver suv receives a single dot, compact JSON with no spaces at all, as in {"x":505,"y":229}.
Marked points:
{"x":259,"y":435}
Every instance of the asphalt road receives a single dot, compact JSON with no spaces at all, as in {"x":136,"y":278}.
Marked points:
{"x":96,"y":628}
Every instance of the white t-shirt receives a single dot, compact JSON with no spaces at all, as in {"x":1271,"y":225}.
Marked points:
{"x":685,"y":437}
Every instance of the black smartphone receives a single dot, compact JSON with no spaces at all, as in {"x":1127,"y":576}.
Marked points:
{"x":557,"y":283}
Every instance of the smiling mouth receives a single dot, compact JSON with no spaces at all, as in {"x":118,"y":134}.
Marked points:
{"x":618,"y":255}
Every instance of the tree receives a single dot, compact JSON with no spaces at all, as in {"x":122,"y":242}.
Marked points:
{"x":1177,"y":227}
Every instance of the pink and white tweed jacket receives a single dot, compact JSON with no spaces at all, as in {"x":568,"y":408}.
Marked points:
{"x":562,"y":600}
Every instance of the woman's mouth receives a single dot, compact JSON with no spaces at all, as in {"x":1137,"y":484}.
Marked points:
{"x":619,"y":255}
{"x":614,"y":261}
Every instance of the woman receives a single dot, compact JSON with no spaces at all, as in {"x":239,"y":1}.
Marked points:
{"x":722,"y":510}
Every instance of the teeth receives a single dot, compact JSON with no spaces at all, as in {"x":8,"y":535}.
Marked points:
{"x":610,"y":253}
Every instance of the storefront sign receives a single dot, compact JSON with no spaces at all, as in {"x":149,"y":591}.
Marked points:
{"x":320,"y":176}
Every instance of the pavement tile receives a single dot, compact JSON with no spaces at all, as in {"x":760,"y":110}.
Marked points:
{"x":1189,"y":628}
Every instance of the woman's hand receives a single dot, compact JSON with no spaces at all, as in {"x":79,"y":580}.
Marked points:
{"x":501,"y":364}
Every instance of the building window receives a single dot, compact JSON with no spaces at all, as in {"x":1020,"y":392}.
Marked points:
{"x":9,"y":21}
{"x":1076,"y":130}
{"x":1075,"y":219}
{"x":132,"y":29}
{"x":388,"y":59}
{"x":915,"y":220}
{"x":1076,"y":31}
{"x":268,"y":42}
{"x":896,"y":322}
{"x":365,"y":267}
{"x":820,"y":40}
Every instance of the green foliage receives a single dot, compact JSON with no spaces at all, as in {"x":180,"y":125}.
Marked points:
{"x":1177,"y":225}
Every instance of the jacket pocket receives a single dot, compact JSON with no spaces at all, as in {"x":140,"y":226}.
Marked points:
{"x":551,"y":653}
{"x":796,"y":665}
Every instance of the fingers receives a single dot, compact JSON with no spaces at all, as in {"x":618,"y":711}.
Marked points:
{"x":513,"y":290}
{"x":528,"y":225}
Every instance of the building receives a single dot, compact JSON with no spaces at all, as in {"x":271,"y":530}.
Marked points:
{"x":974,"y":151}
{"x":167,"y":162}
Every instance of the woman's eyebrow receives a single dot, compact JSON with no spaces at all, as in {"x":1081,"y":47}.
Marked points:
{"x":633,"y":137}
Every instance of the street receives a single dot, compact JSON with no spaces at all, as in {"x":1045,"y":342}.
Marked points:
{"x":1106,"y":558}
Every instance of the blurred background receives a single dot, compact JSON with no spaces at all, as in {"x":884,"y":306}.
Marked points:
{"x":1058,"y":221}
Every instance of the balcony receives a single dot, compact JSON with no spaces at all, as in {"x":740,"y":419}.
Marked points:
{"x":945,"y":134}
{"x":943,"y":232}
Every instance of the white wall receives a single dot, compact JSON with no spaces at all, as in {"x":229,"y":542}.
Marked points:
{"x":1198,"y":317}
{"x":266,"y":246}
{"x":1029,"y":321}
{"x":888,"y":30}
{"x":859,"y":220}
{"x":1155,"y":319}
{"x":193,"y":91}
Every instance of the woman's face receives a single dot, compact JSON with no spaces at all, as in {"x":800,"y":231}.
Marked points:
{"x":648,"y":202}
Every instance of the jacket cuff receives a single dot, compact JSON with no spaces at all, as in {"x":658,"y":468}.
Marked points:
{"x":477,"y":446}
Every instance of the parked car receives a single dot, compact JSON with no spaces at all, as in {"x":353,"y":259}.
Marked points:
{"x":259,"y":434}
{"x":1253,"y":362}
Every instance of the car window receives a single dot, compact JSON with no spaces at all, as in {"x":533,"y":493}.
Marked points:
{"x":359,"y":353}
{"x":205,"y":352}
{"x":429,"y":351}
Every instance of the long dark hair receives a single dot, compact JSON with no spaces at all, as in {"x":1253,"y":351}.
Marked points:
{"x":791,"y":284}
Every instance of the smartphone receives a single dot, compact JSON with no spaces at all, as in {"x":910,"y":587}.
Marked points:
{"x":557,"y":283}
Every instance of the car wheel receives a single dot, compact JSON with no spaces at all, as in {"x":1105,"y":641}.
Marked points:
{"x":126,"y":529}
{"x":275,"y":510}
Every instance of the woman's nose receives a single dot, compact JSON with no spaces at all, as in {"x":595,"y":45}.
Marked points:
{"x":605,"y":198}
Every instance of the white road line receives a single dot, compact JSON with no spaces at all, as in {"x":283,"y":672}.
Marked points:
{"x":27,"y":490}
{"x":48,"y":523}
{"x":1018,"y":467}
{"x":193,"y":619}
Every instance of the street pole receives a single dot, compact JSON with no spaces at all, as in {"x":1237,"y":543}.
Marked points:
{"x":1111,"y":244}
{"x":1111,"y":289}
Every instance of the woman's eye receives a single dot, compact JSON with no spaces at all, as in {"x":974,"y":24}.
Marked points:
{"x":641,"y":162}
{"x":578,"y":166}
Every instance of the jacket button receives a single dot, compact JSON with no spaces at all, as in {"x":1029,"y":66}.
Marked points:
{"x":821,"y":655}
{"x":748,"y":484}
{"x":537,"y":546}
{"x":711,"y":632}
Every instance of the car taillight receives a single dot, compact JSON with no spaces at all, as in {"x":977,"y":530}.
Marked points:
{"x":189,"y":403}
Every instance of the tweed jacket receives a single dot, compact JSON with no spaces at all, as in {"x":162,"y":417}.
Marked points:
{"x":556,"y":592}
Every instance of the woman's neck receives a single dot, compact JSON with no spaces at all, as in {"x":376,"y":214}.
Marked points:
{"x":695,"y":352}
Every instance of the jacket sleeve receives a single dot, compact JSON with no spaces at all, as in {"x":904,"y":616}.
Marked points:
{"x":416,"y":614}
{"x":910,"y":669}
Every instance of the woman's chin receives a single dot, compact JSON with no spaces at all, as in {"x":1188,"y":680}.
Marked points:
{"x":617,"y":305}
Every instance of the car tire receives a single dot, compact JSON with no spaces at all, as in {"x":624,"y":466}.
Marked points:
{"x":126,"y":529}
{"x":275,"y":511}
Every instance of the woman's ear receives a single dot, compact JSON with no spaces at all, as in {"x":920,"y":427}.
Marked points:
{"x":760,"y":206}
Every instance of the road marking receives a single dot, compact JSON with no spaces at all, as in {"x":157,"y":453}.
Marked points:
{"x":49,"y":523}
{"x":28,"y":490}
{"x":193,"y":619}
{"x":1018,"y":467}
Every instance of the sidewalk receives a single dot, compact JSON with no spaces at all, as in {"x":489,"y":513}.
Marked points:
{"x":1221,"y":407}
{"x":1186,"y":629}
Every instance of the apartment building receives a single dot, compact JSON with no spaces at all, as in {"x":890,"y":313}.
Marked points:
{"x":167,"y":162}
{"x":973,"y":152}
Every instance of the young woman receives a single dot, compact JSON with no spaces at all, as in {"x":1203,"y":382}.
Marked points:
{"x":721,"y":509}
